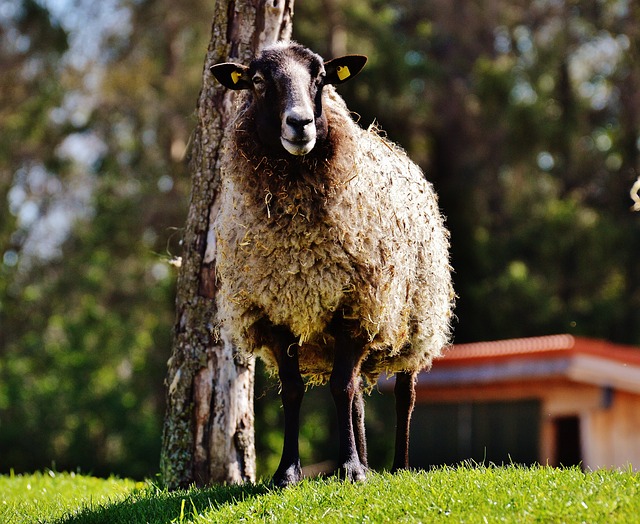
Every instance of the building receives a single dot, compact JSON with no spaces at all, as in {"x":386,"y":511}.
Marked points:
{"x":557,"y":400}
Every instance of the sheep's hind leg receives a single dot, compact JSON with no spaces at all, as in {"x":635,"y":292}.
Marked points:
{"x":405,"y":393}
{"x":289,"y":471}
{"x":344,"y":384}
{"x":358,"y":423}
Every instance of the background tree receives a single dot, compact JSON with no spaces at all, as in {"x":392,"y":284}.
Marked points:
{"x":94,"y":185}
{"x":208,"y":431}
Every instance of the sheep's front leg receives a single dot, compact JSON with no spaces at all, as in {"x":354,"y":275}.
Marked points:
{"x":344,"y":384}
{"x":289,"y":471}
{"x":405,"y":393}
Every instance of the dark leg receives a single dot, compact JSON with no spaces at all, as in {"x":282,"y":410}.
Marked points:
{"x":358,"y":423}
{"x":405,"y":393}
{"x":289,"y":471}
{"x":343,"y":384}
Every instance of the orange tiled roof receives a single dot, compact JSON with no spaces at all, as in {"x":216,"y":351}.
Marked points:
{"x":532,"y":347}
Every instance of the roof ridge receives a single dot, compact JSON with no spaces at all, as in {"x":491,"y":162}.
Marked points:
{"x":545,"y":344}
{"x":523,"y":344}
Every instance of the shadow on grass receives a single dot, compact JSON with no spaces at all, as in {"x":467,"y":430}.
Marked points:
{"x":160,"y":506}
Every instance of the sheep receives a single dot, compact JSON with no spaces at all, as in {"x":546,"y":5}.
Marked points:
{"x":331,"y":252}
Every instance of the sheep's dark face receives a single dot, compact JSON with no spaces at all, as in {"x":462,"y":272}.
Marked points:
{"x":286,"y":81}
{"x":287,"y":89}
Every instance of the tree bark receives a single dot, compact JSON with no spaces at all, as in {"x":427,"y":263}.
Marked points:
{"x":208,"y":428}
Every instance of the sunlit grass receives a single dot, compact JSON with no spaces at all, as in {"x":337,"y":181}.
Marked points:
{"x":464,"y":494}
{"x":44,"y":497}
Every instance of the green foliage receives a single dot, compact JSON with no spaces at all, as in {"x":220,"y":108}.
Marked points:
{"x":86,"y":323}
{"x":462,"y":494}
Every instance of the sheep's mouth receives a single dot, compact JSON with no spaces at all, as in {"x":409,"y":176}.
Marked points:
{"x":298,"y":147}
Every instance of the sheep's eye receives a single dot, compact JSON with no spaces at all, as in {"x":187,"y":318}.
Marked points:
{"x":320,"y":79}
{"x":258,"y":82}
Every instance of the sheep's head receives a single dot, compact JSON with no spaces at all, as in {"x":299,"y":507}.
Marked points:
{"x":286,"y":81}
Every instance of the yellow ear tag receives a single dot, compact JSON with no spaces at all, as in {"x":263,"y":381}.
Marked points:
{"x":236,"y":76}
{"x":343,"y":72}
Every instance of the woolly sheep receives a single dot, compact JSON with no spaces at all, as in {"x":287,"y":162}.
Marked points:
{"x":331,"y":253}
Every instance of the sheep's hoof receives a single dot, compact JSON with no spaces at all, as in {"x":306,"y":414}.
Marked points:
{"x":353,"y":471}
{"x":287,"y":477}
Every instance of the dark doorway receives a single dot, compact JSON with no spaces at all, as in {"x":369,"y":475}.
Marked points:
{"x":567,"y":433}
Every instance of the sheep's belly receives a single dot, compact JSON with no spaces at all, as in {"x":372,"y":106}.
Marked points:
{"x":299,"y":287}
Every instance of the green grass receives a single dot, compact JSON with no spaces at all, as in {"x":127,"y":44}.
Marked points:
{"x":45,"y":497}
{"x":465,"y":494}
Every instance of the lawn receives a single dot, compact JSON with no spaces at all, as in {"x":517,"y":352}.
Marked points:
{"x":463,"y":494}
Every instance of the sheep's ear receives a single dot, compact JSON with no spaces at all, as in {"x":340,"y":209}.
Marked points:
{"x":344,"y":68}
{"x":231,"y":76}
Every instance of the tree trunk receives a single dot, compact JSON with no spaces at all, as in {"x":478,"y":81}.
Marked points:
{"x":337,"y":38}
{"x":208,"y":428}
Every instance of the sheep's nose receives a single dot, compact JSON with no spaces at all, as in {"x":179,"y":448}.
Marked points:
{"x":298,"y":123}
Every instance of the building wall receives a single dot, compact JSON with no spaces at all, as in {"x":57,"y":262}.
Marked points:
{"x":611,"y":436}
{"x":498,"y":432}
{"x":609,"y":426}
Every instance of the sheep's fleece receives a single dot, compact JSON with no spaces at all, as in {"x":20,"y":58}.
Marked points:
{"x":353,"y":227}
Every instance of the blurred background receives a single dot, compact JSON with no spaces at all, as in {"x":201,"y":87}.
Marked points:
{"x":524,"y":114}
